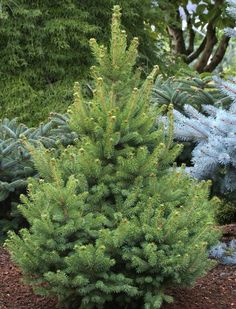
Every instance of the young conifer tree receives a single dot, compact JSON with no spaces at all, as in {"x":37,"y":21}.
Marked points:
{"x":110,"y":223}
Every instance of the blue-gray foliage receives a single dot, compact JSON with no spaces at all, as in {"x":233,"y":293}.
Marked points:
{"x":16,"y":164}
{"x":224,"y":252}
{"x":215,"y":135}
{"x":192,"y":88}
{"x":214,"y":132}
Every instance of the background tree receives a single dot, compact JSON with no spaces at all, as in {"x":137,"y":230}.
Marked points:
{"x":44,"y":49}
{"x":213,"y":133}
{"x":195,"y":30}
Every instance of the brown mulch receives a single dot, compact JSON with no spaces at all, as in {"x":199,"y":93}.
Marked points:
{"x":13,"y":293}
{"x":229,"y":232}
{"x":217,"y":290}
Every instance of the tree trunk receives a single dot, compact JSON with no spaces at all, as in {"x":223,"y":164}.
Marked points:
{"x":177,"y":40}
{"x":206,"y":59}
{"x":211,"y":40}
{"x":219,"y":54}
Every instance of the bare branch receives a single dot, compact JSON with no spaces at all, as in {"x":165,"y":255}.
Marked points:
{"x":177,"y":40}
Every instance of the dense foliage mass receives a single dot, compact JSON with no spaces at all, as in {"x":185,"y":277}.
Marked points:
{"x":44,"y":49}
{"x":118,"y":225}
{"x":45,"y":45}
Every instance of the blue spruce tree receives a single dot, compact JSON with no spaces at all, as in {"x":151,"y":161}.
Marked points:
{"x":214,"y":133}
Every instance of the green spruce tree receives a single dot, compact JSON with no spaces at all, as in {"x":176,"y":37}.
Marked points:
{"x":111,"y":224}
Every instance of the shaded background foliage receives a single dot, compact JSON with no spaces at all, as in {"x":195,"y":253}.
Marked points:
{"x":44,"y":49}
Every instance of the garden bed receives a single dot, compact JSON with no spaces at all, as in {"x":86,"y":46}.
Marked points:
{"x":14,"y":294}
{"x":217,"y":290}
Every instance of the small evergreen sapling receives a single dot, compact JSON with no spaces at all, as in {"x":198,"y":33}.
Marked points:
{"x":110,"y":222}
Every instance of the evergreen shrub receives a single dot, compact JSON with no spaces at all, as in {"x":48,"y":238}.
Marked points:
{"x":111,"y":224}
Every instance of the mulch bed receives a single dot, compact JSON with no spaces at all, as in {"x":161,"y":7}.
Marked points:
{"x":217,"y":290}
{"x":14,"y":294}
